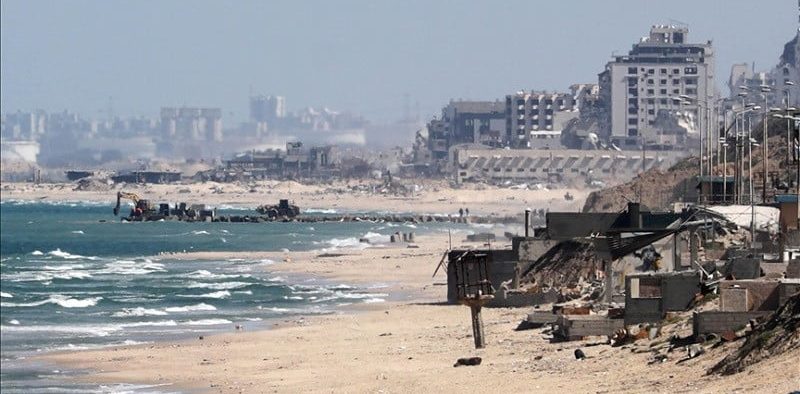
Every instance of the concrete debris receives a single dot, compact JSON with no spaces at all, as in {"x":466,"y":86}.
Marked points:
{"x":694,"y":350}
{"x":468,"y":361}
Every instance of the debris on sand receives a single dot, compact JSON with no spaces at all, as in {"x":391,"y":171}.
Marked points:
{"x":779,"y":334}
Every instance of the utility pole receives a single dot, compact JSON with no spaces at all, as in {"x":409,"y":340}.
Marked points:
{"x":765,"y":90}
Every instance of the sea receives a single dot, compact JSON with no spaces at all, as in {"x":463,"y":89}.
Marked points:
{"x":73,"y":277}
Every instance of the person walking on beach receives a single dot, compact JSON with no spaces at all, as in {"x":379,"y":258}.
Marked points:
{"x":466,"y":211}
{"x":461,"y":212}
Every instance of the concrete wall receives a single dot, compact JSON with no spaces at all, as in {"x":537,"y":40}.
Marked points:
{"x":760,"y":295}
{"x":642,"y":310}
{"x":786,"y":289}
{"x":577,"y":326}
{"x":793,"y":269}
{"x":675,"y":292}
{"x":678,"y":291}
{"x":719,"y":322}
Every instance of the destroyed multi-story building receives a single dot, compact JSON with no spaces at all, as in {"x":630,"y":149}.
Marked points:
{"x":662,"y":73}
{"x":295,"y":161}
{"x":536,"y":119}
{"x":779,"y":86}
{"x":466,"y":122}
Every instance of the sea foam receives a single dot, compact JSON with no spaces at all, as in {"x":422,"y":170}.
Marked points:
{"x":191,"y":308}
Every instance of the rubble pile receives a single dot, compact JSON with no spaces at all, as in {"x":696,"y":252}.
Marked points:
{"x":570,"y":267}
{"x":657,"y":188}
{"x":778,"y":334}
{"x":93,"y":184}
{"x":660,"y":188}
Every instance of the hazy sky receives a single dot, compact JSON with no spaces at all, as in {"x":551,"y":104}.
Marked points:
{"x":357,"y":55}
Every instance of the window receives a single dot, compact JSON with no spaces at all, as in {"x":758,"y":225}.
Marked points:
{"x":651,"y":101}
{"x":633,"y":132}
{"x":676,"y":71}
{"x":631,"y":70}
{"x":690,"y":70}
{"x":632,"y":110}
{"x":632,"y":91}
{"x":662,"y":71}
{"x":662,"y":91}
{"x":676,"y":81}
{"x":645,"y":287}
{"x":632,"y":101}
{"x":691,"y":91}
{"x":651,"y":71}
{"x":650,"y":91}
{"x":662,"y":81}
{"x":676,"y":91}
{"x":663,"y":101}
{"x":691,"y":81}
{"x":633,"y":121}
{"x":650,"y":81}
{"x":651,"y":111}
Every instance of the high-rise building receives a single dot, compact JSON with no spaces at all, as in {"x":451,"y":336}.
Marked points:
{"x":267,"y":108}
{"x":192,"y":124}
{"x":787,"y":74}
{"x":661,"y":73}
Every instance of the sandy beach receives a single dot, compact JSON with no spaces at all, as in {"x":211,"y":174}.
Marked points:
{"x":408,"y":345}
{"x":432,"y":196}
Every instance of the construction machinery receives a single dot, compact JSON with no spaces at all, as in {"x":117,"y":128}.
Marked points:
{"x":283,"y":209}
{"x":141,"y":208}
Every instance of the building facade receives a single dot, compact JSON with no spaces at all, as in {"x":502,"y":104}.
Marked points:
{"x":570,"y":166}
{"x":480,"y":122}
{"x":661,"y":73}
{"x":267,"y":108}
{"x":191,"y":124}
{"x":535,"y":119}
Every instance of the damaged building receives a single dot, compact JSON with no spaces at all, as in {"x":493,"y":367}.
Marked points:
{"x":296,"y":161}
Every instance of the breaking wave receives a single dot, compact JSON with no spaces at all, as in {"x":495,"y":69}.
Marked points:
{"x":217,"y":294}
{"x":191,"y":308}
{"x":139,"y":311}
{"x":58,"y":299}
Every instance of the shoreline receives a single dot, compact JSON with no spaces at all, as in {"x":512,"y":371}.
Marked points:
{"x":344,"y":266}
{"x":435,"y":197}
{"x":405,"y":345}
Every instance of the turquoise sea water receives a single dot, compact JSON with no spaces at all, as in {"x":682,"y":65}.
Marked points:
{"x":74,"y":277}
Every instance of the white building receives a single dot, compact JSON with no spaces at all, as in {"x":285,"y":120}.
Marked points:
{"x":649,"y":79}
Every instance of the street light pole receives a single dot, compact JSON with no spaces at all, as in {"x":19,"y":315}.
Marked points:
{"x":765,"y":90}
{"x":789,"y":146}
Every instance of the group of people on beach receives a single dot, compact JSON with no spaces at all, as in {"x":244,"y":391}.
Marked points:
{"x":463,"y":212}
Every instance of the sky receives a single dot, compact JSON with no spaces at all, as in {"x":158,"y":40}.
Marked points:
{"x":363,"y":56}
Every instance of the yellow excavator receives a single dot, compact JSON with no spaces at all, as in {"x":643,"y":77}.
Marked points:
{"x":140,"y":207}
